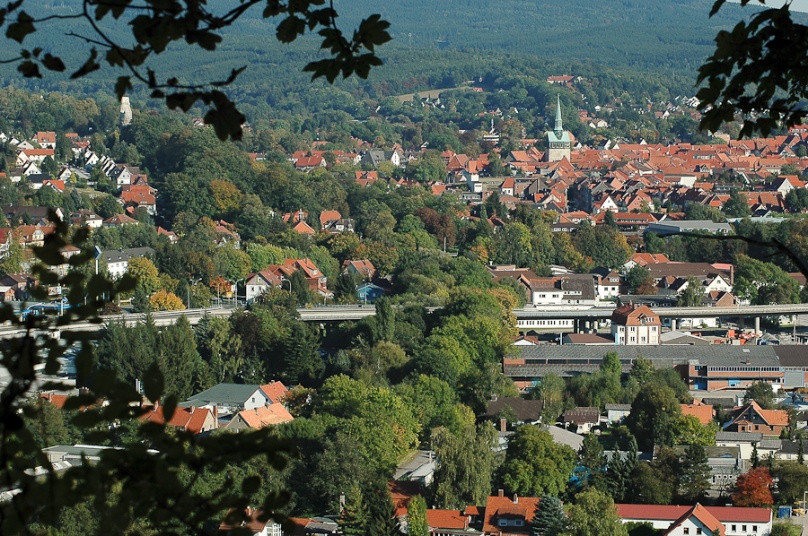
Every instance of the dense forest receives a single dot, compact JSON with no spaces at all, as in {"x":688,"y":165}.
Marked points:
{"x":450,"y":46}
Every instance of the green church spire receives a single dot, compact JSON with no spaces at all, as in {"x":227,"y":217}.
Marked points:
{"x":558,"y":125}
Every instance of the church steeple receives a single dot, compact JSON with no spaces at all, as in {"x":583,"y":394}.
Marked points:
{"x":558,"y":125}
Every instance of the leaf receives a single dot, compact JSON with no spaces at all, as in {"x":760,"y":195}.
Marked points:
{"x":122,"y":86}
{"x":89,"y":66}
{"x":153,"y":382}
{"x":53,"y":63}
{"x":19,"y":29}
{"x":169,"y":407}
{"x":226,"y":119}
{"x":29,"y":69}
{"x":289,"y":28}
{"x":716,"y":6}
{"x":250,"y":485}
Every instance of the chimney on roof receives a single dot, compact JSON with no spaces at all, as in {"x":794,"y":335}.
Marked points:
{"x":515,"y":498}
{"x":501,"y":493}
{"x":503,"y":425}
{"x":156,"y":405}
{"x":191,"y":410}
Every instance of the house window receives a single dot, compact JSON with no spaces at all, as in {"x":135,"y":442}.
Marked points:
{"x":734,"y":528}
{"x":503,"y":522}
{"x":519,"y":522}
{"x":743,"y":528}
{"x":754,"y":528}
{"x":632,"y":339}
{"x":686,"y":530}
{"x":698,"y":530}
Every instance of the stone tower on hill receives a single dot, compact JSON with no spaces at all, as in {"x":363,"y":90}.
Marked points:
{"x":559,"y":142}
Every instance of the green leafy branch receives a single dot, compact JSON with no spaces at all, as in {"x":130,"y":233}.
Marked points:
{"x":155,"y":24}
{"x":759,"y":70}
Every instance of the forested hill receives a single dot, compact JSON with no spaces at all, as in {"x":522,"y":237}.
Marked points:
{"x":439,"y":43}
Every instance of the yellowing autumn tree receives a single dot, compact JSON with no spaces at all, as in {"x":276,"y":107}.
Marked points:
{"x":165,"y":301}
{"x":226,"y":196}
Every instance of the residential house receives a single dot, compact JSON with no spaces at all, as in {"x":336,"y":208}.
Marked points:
{"x":303,"y":228}
{"x":615,"y":413}
{"x":610,"y":285}
{"x":117,"y":260}
{"x":261,"y":281}
{"x":33,"y":155}
{"x":139,"y":196}
{"x":703,"y":412}
{"x":260,"y":417}
{"x":226,"y":234}
{"x":506,"y":515}
{"x":362,"y":268}
{"x":20,"y":214}
{"x":565,"y":290}
{"x":119,"y":220}
{"x":250,"y":523}
{"x":275,"y":391}
{"x":18,"y":283}
{"x":747,"y":442}
{"x":450,"y":522}
{"x":517,"y":409}
{"x":581,"y":420}
{"x":752,"y":418}
{"x":85,"y":217}
{"x":46,"y":140}
{"x":369,"y":292}
{"x":229,"y":398}
{"x":171,"y":235}
{"x":635,"y":326}
{"x":274,"y":275}
{"x":735,"y":520}
{"x":32,"y":235}
{"x":189,"y":419}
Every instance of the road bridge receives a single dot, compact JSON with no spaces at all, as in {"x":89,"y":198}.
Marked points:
{"x":338,"y":313}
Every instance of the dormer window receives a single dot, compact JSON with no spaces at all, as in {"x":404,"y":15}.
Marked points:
{"x":502,"y":522}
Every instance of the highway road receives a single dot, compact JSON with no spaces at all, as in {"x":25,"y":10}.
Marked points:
{"x":337,"y":313}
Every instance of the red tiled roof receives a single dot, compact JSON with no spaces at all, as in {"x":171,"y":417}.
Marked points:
{"x":496,"y":506}
{"x":191,"y":419}
{"x":703,"y":412}
{"x":704,"y":516}
{"x":275,"y":391}
{"x":56,"y":400}
{"x":446,"y":519}
{"x":266,"y":416}
{"x":672,"y":512}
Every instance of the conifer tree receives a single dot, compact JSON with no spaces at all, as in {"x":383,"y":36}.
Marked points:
{"x":352,"y":519}
{"x":549,"y":518}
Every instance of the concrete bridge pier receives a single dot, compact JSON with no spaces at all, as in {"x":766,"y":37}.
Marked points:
{"x":673,"y":324}
{"x":757,"y":326}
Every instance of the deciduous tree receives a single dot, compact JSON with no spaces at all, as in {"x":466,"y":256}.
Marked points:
{"x":754,"y":488}
{"x":536,"y":465}
{"x":593,"y":513}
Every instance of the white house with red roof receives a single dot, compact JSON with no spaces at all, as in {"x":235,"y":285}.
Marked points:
{"x":46,"y":140}
{"x":712,"y":520}
{"x":276,"y":275}
{"x":632,"y":326}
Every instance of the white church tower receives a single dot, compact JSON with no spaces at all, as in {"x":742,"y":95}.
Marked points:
{"x":559,"y":142}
